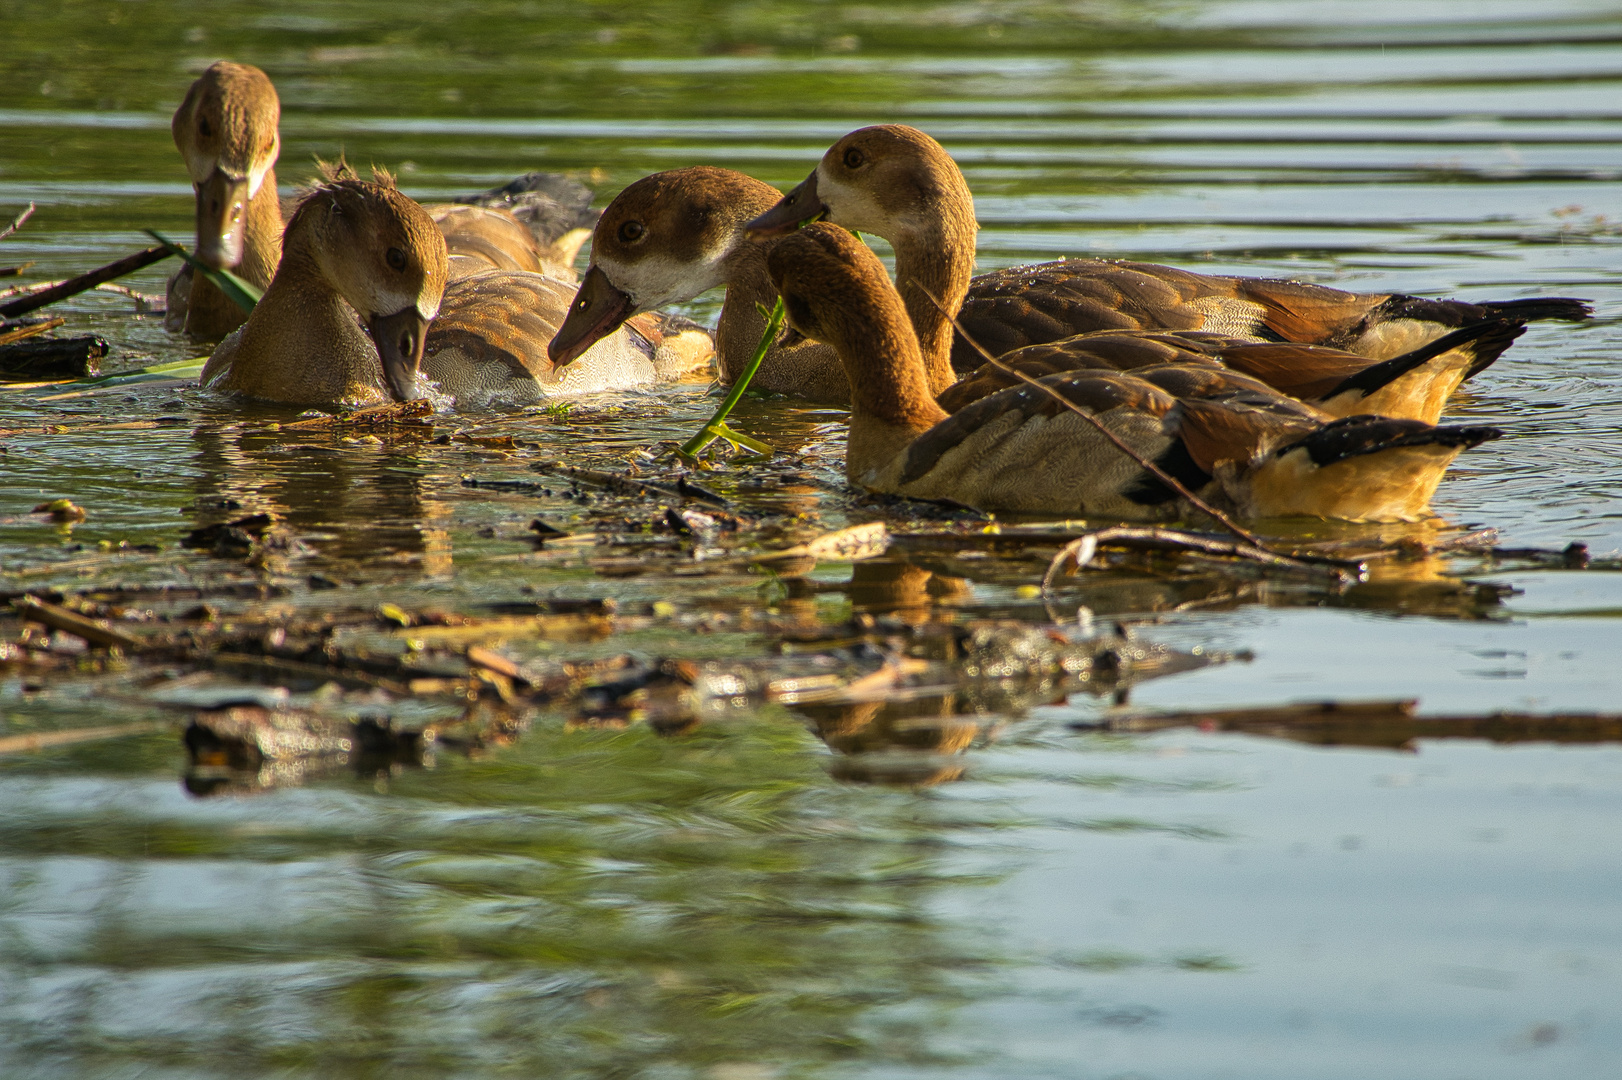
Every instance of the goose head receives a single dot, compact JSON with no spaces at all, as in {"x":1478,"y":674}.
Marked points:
{"x":884,"y":180}
{"x":225,"y":130}
{"x":383,"y":254}
{"x":665,"y":239}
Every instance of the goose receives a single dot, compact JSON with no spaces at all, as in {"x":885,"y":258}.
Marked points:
{"x":226,"y":132}
{"x":899,"y":183}
{"x":671,"y":236}
{"x":361,"y":248}
{"x":1257,"y":453}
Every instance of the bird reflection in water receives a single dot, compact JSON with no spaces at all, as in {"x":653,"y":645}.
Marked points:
{"x":354,"y":501}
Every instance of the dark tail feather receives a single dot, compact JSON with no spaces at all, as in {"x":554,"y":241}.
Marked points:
{"x":1353,"y":436}
{"x":1492,"y":337}
{"x":1537,"y":308}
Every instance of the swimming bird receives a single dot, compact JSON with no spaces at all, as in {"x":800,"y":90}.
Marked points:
{"x":671,"y":236}
{"x":226,"y":131}
{"x":1255,"y":452}
{"x":898,"y":183}
{"x":361,"y":254}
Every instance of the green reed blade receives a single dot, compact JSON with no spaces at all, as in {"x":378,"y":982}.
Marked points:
{"x":245,"y":294}
{"x":715,"y":427}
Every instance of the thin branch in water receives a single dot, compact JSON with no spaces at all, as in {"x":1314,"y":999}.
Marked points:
{"x":17,"y":222}
{"x":74,"y":286}
{"x":1081,"y":550}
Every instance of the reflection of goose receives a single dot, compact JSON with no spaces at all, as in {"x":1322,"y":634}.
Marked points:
{"x":351,"y":505}
{"x":1018,"y":450}
{"x":898,"y":183}
{"x":357,"y":247}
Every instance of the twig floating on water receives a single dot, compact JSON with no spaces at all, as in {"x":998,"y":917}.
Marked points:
{"x":631,"y":485}
{"x":17,"y":223}
{"x":59,"y":618}
{"x":70,"y":358}
{"x":1080,"y":550}
{"x":19,"y":333}
{"x":412,"y":414}
{"x":46,"y":740}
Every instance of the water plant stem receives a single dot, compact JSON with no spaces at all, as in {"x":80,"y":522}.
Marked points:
{"x":715,"y":427}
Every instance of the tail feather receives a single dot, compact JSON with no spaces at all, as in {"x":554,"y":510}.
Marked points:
{"x":1490,"y":338}
{"x":1538,"y":308}
{"x":1361,"y":468}
{"x":1354,"y":436}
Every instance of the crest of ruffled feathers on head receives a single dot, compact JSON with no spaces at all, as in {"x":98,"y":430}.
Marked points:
{"x":330,"y":173}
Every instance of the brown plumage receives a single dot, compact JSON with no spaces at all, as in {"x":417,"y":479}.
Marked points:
{"x":352,"y":248}
{"x":1413,"y":386}
{"x":898,"y":183}
{"x":225,"y":130}
{"x":1240,"y":444}
{"x":479,"y":238}
{"x":673,"y":235}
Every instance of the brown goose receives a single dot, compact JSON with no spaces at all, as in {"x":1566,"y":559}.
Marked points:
{"x":225,"y":130}
{"x":1260,"y":453}
{"x":673,"y":235}
{"x":898,"y":183}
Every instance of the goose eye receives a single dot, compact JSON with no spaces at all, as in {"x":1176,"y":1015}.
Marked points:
{"x":203,"y":127}
{"x":854,"y":158}
{"x":632,"y":231}
{"x":397,"y":258}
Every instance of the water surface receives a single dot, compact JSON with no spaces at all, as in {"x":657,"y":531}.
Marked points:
{"x":726,"y":904}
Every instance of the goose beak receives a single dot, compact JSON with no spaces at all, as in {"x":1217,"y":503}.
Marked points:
{"x":597,"y":311}
{"x":795,"y":209}
{"x":222,"y":207}
{"x":399,"y":339}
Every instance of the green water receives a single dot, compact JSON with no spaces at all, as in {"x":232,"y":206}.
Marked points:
{"x":728,"y":904}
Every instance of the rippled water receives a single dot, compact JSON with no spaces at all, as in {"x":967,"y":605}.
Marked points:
{"x":600,"y":903}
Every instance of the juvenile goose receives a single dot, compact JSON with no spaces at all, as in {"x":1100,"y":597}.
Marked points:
{"x":1263,"y":455}
{"x":673,"y":235}
{"x":357,"y":247}
{"x":225,"y":130}
{"x":352,"y":247}
{"x":898,"y":183}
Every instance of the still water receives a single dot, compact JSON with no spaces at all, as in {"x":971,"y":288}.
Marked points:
{"x":728,"y":904}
